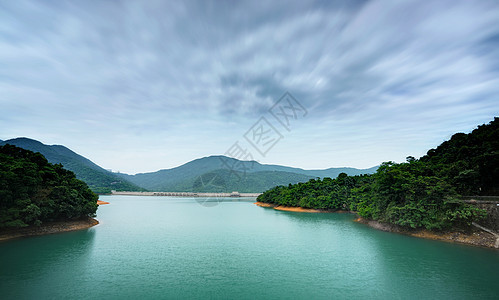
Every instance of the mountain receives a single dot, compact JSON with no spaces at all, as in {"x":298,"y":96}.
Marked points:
{"x":331,"y":172}
{"x":33,"y":191}
{"x":195,"y":176}
{"x":237,"y":175}
{"x":98,"y":179}
{"x":223,"y":180}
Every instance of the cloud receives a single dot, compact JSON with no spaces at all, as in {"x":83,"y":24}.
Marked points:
{"x":144,"y":75}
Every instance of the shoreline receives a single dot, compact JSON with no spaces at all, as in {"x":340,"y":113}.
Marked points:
{"x":474,"y":237}
{"x":288,"y":208}
{"x":47,"y":228}
{"x":297,"y":209}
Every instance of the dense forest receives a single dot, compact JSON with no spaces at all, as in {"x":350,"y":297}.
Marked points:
{"x":98,"y":179}
{"x":33,"y":191}
{"x":420,"y":193}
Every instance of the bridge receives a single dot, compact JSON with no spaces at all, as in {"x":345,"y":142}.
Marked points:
{"x":186,"y":194}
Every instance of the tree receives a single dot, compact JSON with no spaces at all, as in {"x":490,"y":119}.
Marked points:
{"x":420,"y":193}
{"x":33,"y":191}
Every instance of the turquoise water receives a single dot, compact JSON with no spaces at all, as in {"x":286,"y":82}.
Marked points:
{"x":164,"y":247}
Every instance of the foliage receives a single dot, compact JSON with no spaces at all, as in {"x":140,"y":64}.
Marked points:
{"x":33,"y":191}
{"x":469,"y":162}
{"x":223,"y":180}
{"x":242,"y":176}
{"x":98,"y":179}
{"x":420,"y":193}
{"x":255,"y":177}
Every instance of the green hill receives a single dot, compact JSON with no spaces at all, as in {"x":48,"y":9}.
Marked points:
{"x":98,"y":179}
{"x":420,"y":193}
{"x":251,"y":175}
{"x":469,"y":162}
{"x":223,"y":180}
{"x":242,"y":176}
{"x":33,"y":191}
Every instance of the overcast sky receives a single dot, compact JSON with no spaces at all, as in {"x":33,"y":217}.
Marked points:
{"x":138,"y":86}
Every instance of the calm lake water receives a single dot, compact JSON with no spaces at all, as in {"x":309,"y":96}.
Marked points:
{"x":164,"y":247}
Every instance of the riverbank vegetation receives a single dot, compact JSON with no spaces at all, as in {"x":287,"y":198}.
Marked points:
{"x":420,"y":193}
{"x":33,"y":191}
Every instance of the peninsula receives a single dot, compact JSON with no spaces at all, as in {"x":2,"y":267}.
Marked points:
{"x":39,"y":197}
{"x":425,"y":197}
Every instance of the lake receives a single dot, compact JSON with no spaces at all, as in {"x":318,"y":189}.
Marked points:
{"x":167,"y":247}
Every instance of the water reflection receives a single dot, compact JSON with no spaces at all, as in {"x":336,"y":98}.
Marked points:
{"x":418,"y":266}
{"x":43,"y":260}
{"x":164,"y":247}
{"x":391,"y":264}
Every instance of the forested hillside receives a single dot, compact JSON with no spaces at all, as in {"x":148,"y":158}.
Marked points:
{"x":247,"y":176}
{"x":469,"y":162}
{"x":98,"y":179}
{"x":224,"y":181}
{"x":33,"y":191}
{"x":420,"y":193}
{"x":255,"y":178}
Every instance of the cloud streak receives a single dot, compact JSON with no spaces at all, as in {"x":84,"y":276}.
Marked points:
{"x":142,"y":86}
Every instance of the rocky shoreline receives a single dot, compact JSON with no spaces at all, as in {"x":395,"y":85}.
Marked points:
{"x":474,"y":237}
{"x":47,"y":228}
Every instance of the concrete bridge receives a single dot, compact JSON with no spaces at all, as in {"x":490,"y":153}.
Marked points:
{"x":186,"y":194}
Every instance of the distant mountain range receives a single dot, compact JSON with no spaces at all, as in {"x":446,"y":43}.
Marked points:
{"x":98,"y":179}
{"x":207,"y":174}
{"x":237,"y":175}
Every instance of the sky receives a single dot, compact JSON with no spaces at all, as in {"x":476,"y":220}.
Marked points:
{"x":138,"y":86}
